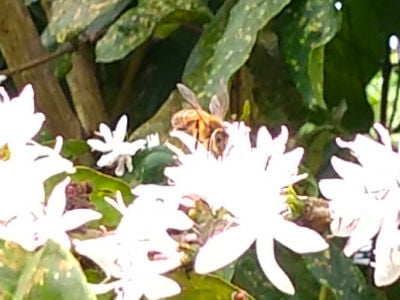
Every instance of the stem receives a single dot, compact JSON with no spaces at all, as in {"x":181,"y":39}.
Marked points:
{"x":85,"y":91}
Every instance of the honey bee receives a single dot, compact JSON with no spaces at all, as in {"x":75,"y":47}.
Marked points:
{"x":206,"y":128}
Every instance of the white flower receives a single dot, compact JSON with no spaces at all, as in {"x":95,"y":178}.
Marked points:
{"x":18,"y":121}
{"x":33,"y":230}
{"x":250,"y":183}
{"x":23,"y":174}
{"x":115,"y":148}
{"x":365,"y":201}
{"x":124,"y":254}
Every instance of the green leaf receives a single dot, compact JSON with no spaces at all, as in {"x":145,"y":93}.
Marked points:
{"x":137,"y":24}
{"x":149,"y":165}
{"x":12,"y":261}
{"x":199,"y":64}
{"x":205,"y":287}
{"x":230,"y":37}
{"x":103,"y":185}
{"x":355,"y":55}
{"x":304,"y":29}
{"x":53,"y":273}
{"x":70,"y":18}
{"x":277,"y":101}
{"x":332,"y":269}
{"x":74,"y":148}
{"x":250,"y":276}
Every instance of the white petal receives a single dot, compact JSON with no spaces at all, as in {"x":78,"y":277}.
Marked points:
{"x":346,"y":169}
{"x":222,"y":249}
{"x":384,"y":135}
{"x":387,"y":256}
{"x":367,"y":227}
{"x":106,"y":133}
{"x":297,"y":238}
{"x":102,"y":288}
{"x":62,"y":239}
{"x":266,"y":258}
{"x":128,"y":163}
{"x":343,"y":226}
{"x":120,"y":129}
{"x":338,"y":189}
{"x":135,"y":146}
{"x":98,"y":145}
{"x":57,"y":200}
{"x":120,"y":168}
{"x":107,"y":160}
{"x":104,"y":251}
{"x":74,"y":218}
{"x":161,"y":287}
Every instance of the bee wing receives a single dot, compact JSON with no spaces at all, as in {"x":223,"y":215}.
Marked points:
{"x":219,"y":103}
{"x":188,"y":95}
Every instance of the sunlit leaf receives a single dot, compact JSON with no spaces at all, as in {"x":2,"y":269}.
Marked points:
{"x":235,"y":31}
{"x":137,"y":24}
{"x":53,"y":273}
{"x":12,"y":261}
{"x":205,"y":287}
{"x":332,"y":269}
{"x":304,"y":29}
{"x":70,"y":18}
{"x":250,"y":276}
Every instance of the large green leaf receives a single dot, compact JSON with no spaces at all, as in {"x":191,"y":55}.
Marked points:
{"x":69,"y":17}
{"x":332,"y":269}
{"x":277,"y":100}
{"x":12,"y":261}
{"x":304,"y":29}
{"x":137,"y":24}
{"x":250,"y":276}
{"x":227,"y":42}
{"x":205,"y":287}
{"x":53,"y":273}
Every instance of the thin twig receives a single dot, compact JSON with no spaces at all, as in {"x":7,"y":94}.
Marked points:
{"x":64,"y":49}
{"x":386,"y":71}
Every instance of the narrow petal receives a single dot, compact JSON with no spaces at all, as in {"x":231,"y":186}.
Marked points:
{"x":299,"y":239}
{"x":74,"y":218}
{"x":128,"y":163}
{"x":102,"y":288}
{"x":266,"y":258}
{"x":384,"y":135}
{"x":120,"y":129}
{"x":222,"y":249}
{"x":120,"y":168}
{"x":106,"y":133}
{"x":57,"y":200}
